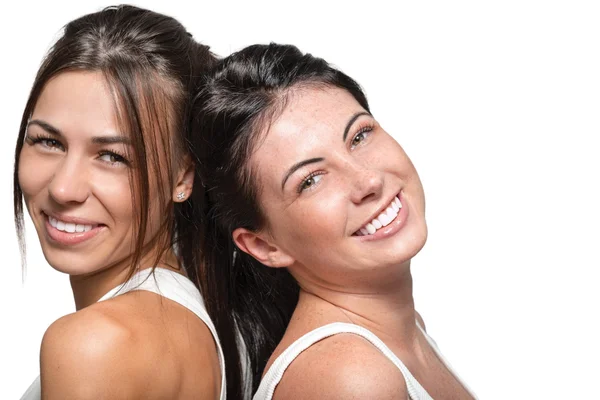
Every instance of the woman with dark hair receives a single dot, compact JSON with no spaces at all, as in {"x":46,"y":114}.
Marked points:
{"x":106,"y":174}
{"x":312,"y":215}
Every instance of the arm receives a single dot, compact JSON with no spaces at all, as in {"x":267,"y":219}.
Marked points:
{"x":343,"y":366}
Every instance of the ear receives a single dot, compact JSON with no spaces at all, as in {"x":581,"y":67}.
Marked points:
{"x":184,"y":181}
{"x":261,"y":248}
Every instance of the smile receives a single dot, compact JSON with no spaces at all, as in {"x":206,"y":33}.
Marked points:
{"x":68,"y":233}
{"x":384,"y":219}
{"x":69,"y":226}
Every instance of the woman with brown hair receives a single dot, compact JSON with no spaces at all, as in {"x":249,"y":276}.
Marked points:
{"x":106,"y":174}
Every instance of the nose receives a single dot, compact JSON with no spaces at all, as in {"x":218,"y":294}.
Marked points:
{"x":367,"y":183}
{"x":69,"y":184}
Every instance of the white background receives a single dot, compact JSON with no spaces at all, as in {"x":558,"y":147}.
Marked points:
{"x":498,"y":105}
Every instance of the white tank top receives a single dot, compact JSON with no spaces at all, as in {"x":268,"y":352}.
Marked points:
{"x":273,"y":376}
{"x":172,"y":286}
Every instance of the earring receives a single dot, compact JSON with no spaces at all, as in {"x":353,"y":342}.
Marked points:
{"x":180,"y":196}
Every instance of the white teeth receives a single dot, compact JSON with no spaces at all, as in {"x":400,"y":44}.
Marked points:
{"x":69,"y":226}
{"x":371,"y":229}
{"x":383,"y":219}
{"x":389,"y":219}
{"x":391,"y":213}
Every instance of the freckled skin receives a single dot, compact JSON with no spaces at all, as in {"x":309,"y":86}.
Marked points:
{"x":355,"y":180}
{"x":343,"y":278}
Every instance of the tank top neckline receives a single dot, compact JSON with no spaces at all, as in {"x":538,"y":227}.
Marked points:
{"x":415,"y":390}
{"x":137,"y":280}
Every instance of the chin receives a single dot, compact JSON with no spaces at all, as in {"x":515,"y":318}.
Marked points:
{"x":70,"y":264}
{"x":410,"y":247}
{"x":421,"y":239}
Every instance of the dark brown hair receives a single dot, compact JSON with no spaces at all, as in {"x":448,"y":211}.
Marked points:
{"x":238,"y":100}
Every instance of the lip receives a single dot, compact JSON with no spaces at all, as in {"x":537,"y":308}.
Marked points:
{"x":396,"y":225}
{"x":381,"y":209}
{"x":66,"y":218}
{"x":70,"y":239}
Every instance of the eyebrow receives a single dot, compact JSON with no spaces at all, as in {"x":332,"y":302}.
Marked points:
{"x":96,"y":139}
{"x":298,"y":165}
{"x":301,"y":164}
{"x":111,"y":139}
{"x":45,"y":126}
{"x":352,"y":120}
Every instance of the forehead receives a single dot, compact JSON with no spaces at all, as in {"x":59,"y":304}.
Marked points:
{"x":77,"y":101}
{"x":314,"y":109}
{"x":311,"y":125}
{"x":311,"y":118}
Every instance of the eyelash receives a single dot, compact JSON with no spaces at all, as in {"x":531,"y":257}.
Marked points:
{"x":120,"y":158}
{"x":361,"y":131}
{"x":42,"y":138}
{"x":301,"y":187}
{"x":364,"y":129}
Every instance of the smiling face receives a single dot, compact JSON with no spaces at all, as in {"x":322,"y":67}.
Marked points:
{"x":327,"y":172}
{"x":74,"y":172}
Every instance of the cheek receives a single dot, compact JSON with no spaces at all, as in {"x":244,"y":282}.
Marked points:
{"x":316,"y":221}
{"x":393,"y":151}
{"x":126,"y":209}
{"x":34,"y":173}
{"x":114,"y":192}
{"x":402,"y":163}
{"x":408,"y":174}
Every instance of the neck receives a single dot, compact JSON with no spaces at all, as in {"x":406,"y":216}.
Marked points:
{"x":89,"y":288}
{"x":387,"y":309}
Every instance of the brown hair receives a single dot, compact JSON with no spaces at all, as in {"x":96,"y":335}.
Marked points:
{"x":152,"y":66}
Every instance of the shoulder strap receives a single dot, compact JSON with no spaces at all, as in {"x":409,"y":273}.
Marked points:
{"x":34,"y":392}
{"x":443,"y":359}
{"x":277,"y":369}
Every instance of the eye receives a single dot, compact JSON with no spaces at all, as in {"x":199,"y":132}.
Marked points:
{"x":310,"y":181}
{"x":112,"y":158}
{"x":362,"y":134}
{"x":46,"y":142}
{"x":51,"y":143}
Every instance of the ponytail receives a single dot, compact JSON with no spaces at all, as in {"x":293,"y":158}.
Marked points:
{"x":202,"y":245}
{"x":251,"y":304}
{"x":236,"y":102}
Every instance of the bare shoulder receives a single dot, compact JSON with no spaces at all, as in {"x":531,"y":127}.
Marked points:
{"x":343,"y":366}
{"x":87,"y":354}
